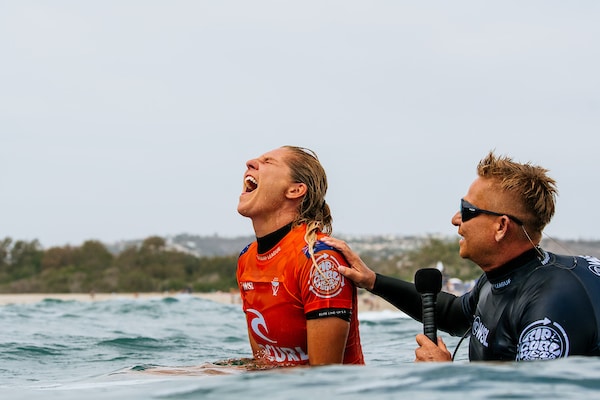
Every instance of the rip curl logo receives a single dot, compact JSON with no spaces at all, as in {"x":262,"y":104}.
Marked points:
{"x":259,"y":326}
{"x":269,"y":350}
{"x":480,"y":331}
{"x":543,"y":340}
{"x":325,"y":280}
{"x":594,"y":265}
{"x":283,"y":355}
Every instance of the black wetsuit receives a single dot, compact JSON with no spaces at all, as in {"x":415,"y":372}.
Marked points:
{"x":529,"y":309}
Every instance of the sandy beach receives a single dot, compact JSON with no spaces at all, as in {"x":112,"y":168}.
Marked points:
{"x":367,"y":301}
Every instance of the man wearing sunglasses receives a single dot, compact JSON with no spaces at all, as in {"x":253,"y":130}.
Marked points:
{"x":529,"y":304}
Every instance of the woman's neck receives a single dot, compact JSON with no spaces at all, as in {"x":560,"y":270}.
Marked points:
{"x":267,"y":242}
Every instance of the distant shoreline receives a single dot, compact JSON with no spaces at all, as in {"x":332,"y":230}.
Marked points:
{"x":28,"y":298}
{"x":367,"y":301}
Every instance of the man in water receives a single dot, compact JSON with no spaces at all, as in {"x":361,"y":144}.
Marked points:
{"x":529,"y":304}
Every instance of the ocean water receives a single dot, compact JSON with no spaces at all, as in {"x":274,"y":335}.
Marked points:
{"x":170,"y":348}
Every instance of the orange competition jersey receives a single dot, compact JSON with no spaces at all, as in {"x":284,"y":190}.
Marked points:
{"x":280,"y":287}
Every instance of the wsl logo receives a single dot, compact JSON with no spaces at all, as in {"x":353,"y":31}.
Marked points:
{"x":480,"y":331}
{"x":543,"y":340}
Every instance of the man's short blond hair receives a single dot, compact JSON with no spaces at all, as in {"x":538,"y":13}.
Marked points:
{"x":527,"y":183}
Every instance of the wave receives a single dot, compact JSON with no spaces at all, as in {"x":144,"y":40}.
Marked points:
{"x":383,"y":315}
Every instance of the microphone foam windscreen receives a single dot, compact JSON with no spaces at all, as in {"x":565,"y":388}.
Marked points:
{"x":428,"y":280}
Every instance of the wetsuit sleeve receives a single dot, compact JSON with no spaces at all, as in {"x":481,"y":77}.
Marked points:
{"x":450,"y":315}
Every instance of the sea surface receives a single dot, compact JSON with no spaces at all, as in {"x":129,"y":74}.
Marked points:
{"x":172,"y":348}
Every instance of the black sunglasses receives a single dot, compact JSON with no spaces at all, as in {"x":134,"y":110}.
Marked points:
{"x":469,"y":211}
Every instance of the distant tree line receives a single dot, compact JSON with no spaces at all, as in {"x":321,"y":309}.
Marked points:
{"x":26,"y":268}
{"x":429,"y":255}
{"x":152,"y":267}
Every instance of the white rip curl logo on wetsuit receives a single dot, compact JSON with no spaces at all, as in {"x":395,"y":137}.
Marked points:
{"x":594,"y":265}
{"x":325,"y":280}
{"x":543,"y":340}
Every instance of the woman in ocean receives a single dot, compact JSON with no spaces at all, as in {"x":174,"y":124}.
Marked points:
{"x":299,"y":309}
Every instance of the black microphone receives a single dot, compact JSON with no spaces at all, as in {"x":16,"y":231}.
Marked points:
{"x":428,"y":282}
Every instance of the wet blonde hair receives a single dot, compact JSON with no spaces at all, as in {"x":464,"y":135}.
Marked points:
{"x":314,"y":211}
{"x":528,"y":183}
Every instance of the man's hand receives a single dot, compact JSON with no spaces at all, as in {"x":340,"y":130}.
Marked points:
{"x":428,"y":351}
{"x":358,"y":272}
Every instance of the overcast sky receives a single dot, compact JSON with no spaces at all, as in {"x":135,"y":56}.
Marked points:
{"x":125,"y":119}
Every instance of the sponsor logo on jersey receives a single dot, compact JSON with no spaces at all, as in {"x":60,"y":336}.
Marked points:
{"x":594,"y":265}
{"x":480,"y":332}
{"x":275,"y":286}
{"x":283,"y":355}
{"x":247,"y":286}
{"x":325,"y":280}
{"x":259,"y":325}
{"x":270,"y":350}
{"x":270,"y":255}
{"x":543,"y":340}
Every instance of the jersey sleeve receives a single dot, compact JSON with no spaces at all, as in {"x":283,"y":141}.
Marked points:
{"x":322,"y":286}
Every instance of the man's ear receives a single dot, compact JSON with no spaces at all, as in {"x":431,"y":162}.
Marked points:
{"x":502,"y":228}
{"x":296,"y":190}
